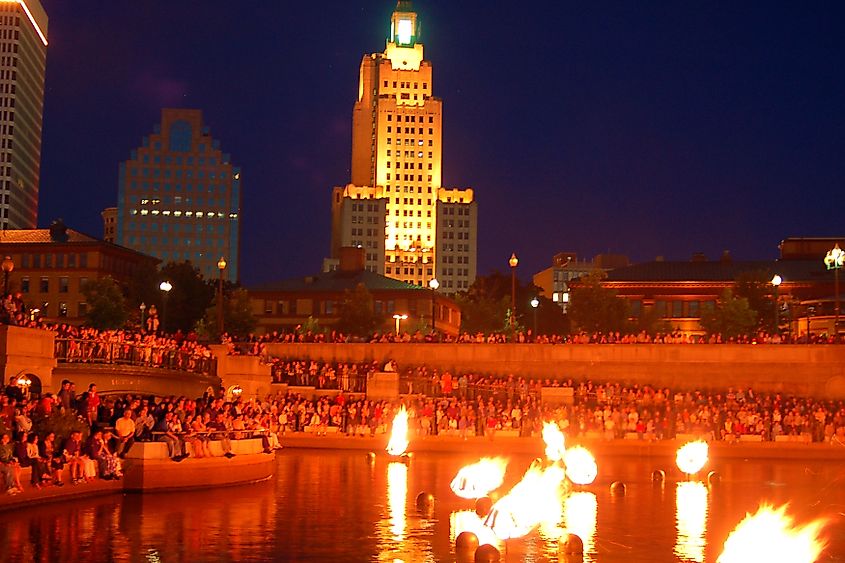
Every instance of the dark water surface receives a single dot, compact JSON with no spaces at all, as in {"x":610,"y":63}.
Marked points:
{"x":338,"y":506}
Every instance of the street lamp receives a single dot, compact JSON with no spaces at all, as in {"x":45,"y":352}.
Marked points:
{"x":165,"y":286}
{"x":398,"y":319}
{"x":142,"y":307}
{"x":535,"y":303}
{"x":221,"y":265}
{"x":513,"y":263}
{"x":434,"y":285}
{"x":834,"y":260}
{"x":8,"y":266}
{"x":24,"y":383}
{"x":776,"y":281}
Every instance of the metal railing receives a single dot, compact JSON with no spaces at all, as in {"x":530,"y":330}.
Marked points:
{"x":72,"y":350}
{"x":347,"y":383}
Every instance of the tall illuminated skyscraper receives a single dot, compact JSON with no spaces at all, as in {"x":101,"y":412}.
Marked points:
{"x":23,"y":60}
{"x":395,"y":207}
{"x":179,"y":197}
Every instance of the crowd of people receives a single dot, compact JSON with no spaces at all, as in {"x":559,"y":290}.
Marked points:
{"x":103,"y":430}
{"x":177,"y":351}
{"x":13,"y":311}
{"x":256,"y":344}
{"x":477,"y":404}
{"x":438,"y":402}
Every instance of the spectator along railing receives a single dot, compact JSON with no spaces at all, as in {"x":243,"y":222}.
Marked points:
{"x":72,"y":350}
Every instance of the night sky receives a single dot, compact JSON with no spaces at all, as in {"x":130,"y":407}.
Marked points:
{"x":642,"y":128}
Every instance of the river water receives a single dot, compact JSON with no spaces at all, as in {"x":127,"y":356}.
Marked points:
{"x":341,"y":506}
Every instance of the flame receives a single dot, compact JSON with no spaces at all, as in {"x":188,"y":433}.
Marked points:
{"x":692,"y":456}
{"x":534,"y":500}
{"x":691,"y":511}
{"x":581,"y":466}
{"x":468,"y":521}
{"x":478,"y":479}
{"x":555,"y":442}
{"x":399,"y":434}
{"x":771,"y":536}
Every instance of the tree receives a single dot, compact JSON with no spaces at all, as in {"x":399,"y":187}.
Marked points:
{"x":106,"y":305}
{"x":593,"y":308}
{"x":731,"y":317}
{"x":238,"y":319}
{"x":482,"y":315}
{"x":189,"y":298}
{"x":357,"y":314}
{"x":485,"y":306}
{"x":756,"y":287}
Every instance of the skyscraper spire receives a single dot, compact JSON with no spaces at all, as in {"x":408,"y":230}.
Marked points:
{"x":410,"y":226}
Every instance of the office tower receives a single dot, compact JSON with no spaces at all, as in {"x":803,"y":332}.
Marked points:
{"x":23,"y":59}
{"x":397,"y":160}
{"x":179,"y":196}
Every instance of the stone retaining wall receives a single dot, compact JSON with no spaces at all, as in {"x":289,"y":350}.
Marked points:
{"x":810,"y":370}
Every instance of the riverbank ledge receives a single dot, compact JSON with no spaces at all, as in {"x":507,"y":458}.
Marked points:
{"x":147,"y":468}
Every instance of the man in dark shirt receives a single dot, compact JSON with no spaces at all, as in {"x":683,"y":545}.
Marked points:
{"x":73,"y":455}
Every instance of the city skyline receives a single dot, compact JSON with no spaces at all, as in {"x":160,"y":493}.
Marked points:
{"x":662,"y":130}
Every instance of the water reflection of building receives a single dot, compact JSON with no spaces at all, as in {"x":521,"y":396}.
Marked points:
{"x":227,"y":524}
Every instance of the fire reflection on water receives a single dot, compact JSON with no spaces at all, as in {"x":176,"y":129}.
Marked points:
{"x":691,"y":519}
{"x":397,"y":496}
{"x":580,"y":517}
{"x":469,"y":521}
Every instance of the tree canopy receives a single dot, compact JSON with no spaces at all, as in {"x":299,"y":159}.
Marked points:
{"x":106,"y":304}
{"x":593,"y":308}
{"x":238,"y":319}
{"x":756,"y":287}
{"x":731,"y":317}
{"x":188,"y":300}
{"x":357,"y":314}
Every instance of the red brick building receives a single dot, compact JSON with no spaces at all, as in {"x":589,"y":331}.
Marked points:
{"x":50,"y":266}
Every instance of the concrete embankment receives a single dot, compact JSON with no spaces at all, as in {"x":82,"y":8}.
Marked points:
{"x":149,"y":469}
{"x":600,"y":448}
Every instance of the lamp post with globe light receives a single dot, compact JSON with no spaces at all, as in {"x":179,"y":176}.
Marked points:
{"x":8,"y":266}
{"x":165,"y":286}
{"x":434,"y":285}
{"x":834,"y":260}
{"x":513,"y":262}
{"x":142,"y":307}
{"x":535,"y":303}
{"x":221,"y":265}
{"x":776,"y":281}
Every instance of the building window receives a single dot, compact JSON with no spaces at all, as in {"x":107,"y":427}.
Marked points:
{"x":44,"y":286}
{"x":693,"y":309}
{"x":62,"y":309}
{"x":63,"y":284}
{"x":82,"y":309}
{"x":25,"y":285}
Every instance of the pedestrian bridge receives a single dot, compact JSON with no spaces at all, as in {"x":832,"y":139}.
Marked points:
{"x":40,"y":361}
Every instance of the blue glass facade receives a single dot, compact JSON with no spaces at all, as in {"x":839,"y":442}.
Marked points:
{"x":179,"y":197}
